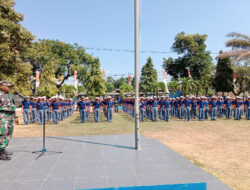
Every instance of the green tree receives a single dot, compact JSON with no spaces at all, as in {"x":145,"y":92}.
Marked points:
{"x":68,"y":91}
{"x":14,"y":39}
{"x":110,"y":87}
{"x":223,"y":81}
{"x":110,"y":80}
{"x":94,"y":82}
{"x":174,"y":85}
{"x":242,"y":80}
{"x":119,"y":82}
{"x":187,"y":85}
{"x":162,"y":87}
{"x":194,"y":57}
{"x":148,"y":80}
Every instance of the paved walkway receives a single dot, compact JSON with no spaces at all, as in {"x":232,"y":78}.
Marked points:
{"x":97,"y":162}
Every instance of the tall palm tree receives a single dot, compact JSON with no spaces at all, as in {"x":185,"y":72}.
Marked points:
{"x":240,"y":44}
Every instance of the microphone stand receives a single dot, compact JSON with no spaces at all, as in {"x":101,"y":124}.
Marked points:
{"x":44,"y":150}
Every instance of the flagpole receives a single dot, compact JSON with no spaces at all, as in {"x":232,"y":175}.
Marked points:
{"x":137,"y":67}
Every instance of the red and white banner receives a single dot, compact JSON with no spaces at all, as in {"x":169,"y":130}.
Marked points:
{"x":234,"y":76}
{"x":37,"y":78}
{"x":129,"y":79}
{"x":103,"y":74}
{"x":75,"y":79}
{"x":165,"y":80}
{"x":189,"y":74}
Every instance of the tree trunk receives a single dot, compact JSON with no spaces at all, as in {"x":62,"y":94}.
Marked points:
{"x":61,"y":83}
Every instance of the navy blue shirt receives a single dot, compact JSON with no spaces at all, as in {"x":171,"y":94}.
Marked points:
{"x":142,"y":104}
{"x":213,"y":103}
{"x":176,"y":104}
{"x":220,"y":103}
{"x":82,"y":105}
{"x":26,"y":104}
{"x":228,"y":103}
{"x":181,"y":102}
{"x":194,"y":103}
{"x":154,"y":103}
{"x":55,"y":105}
{"x":161,"y":103}
{"x":167,"y":104}
{"x":33,"y":104}
{"x":110,"y":104}
{"x":39,"y":105}
{"x":202,"y":104}
{"x":46,"y":104}
{"x":237,"y":103}
{"x":97,"y":104}
{"x":187,"y":103}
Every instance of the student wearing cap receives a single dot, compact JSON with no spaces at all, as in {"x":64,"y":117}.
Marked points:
{"x":187,"y":105}
{"x":228,"y":105}
{"x":213,"y":105}
{"x":55,"y":108}
{"x":142,"y":109}
{"x":154,"y":109}
{"x":33,"y":110}
{"x":220,"y":106}
{"x":88,"y":104}
{"x":206,"y":102}
{"x":237,"y":105}
{"x":194,"y":108}
{"x":160,"y":108}
{"x":201,"y":106}
{"x":26,"y":110}
{"x":167,"y":109}
{"x":180,"y":106}
{"x":110,"y":105}
{"x":247,"y":108}
{"x":39,"y":107}
{"x":176,"y":111}
{"x":82,"y":110}
{"x":97,"y":107}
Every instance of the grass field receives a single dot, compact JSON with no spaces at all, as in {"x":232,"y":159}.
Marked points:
{"x":220,"y":147}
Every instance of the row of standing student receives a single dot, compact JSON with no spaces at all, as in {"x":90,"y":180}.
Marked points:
{"x":189,"y":108}
{"x":107,"y":106}
{"x":37,"y":109}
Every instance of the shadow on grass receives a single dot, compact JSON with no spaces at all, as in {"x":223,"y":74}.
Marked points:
{"x":90,"y":142}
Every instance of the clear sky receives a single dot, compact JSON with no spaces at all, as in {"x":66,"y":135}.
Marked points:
{"x":110,"y":24}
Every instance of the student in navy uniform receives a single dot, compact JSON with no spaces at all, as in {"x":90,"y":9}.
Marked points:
{"x":161,"y":110}
{"x":220,"y":103}
{"x":97,"y":107}
{"x":110,"y":107}
{"x":247,"y":108}
{"x":82,"y":110}
{"x":88,"y":104}
{"x":228,"y":105}
{"x":213,"y":105}
{"x":176,"y":105}
{"x":33,"y":110}
{"x":172,"y":112}
{"x":201,"y":106}
{"x":206,"y":107}
{"x":26,"y":110}
{"x":180,"y":105}
{"x":187,"y":105}
{"x":142,"y":109}
{"x":55,"y":108}
{"x":237,"y":105}
{"x":194,"y":108}
{"x":104,"y":107}
{"x":154,"y":108}
{"x":40,"y":111}
{"x":167,"y":107}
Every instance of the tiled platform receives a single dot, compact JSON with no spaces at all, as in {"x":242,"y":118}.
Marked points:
{"x":97,"y":162}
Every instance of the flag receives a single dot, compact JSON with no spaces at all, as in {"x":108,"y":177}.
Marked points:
{"x":234,"y":76}
{"x":75,"y":79}
{"x":37,"y":78}
{"x":165,"y":80}
{"x":189,"y":74}
{"x":103,"y":74}
{"x":129,"y":79}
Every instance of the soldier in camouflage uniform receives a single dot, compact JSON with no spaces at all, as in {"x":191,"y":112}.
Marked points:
{"x":7,"y":117}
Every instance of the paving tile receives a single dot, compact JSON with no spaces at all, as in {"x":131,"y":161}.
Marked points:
{"x":98,"y":162}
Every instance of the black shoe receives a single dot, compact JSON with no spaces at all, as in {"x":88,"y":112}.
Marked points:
{"x":4,"y":156}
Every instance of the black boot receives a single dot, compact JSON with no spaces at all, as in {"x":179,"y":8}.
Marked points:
{"x":4,"y":156}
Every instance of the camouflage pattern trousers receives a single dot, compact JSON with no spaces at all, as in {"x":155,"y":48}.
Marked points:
{"x":6,"y":129}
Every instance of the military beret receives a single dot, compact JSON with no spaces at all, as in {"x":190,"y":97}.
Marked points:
{"x":6,"y":83}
